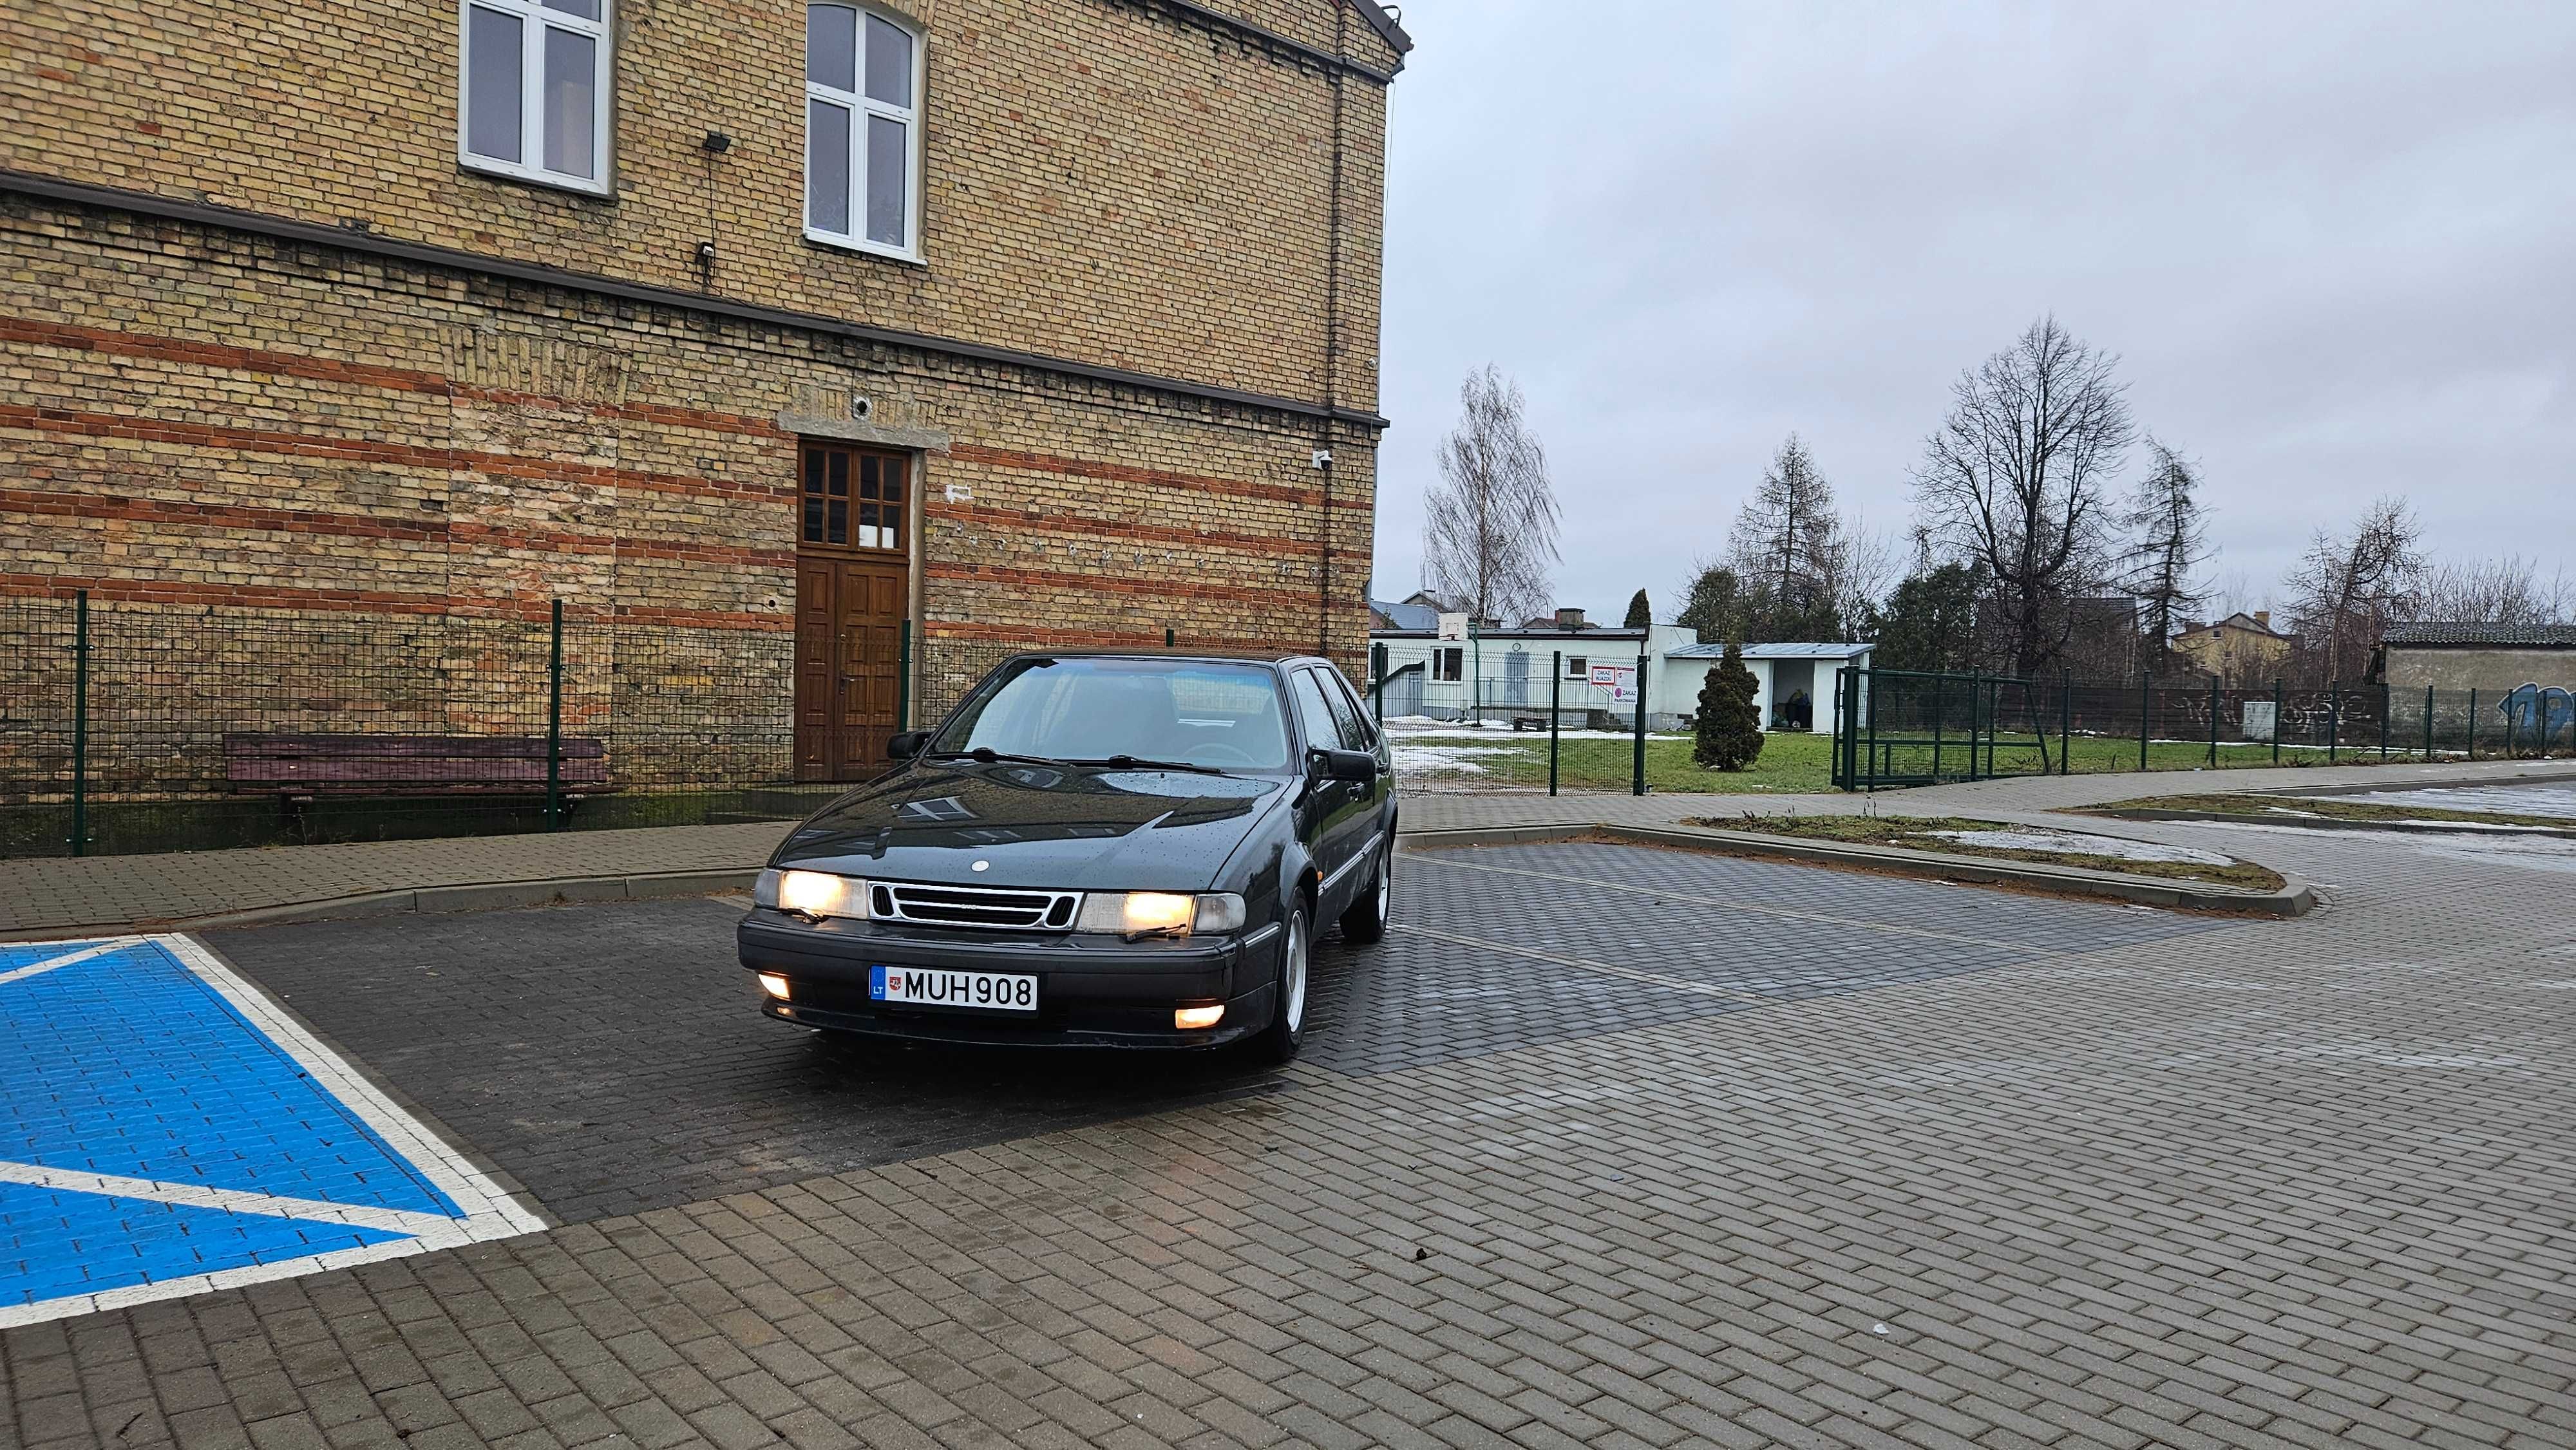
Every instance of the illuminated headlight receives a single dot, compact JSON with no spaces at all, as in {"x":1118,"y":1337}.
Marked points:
{"x":811,"y":893}
{"x":1159,"y":913}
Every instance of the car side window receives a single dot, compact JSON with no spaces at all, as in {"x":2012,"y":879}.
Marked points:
{"x":1346,"y":712}
{"x":1323,"y":732}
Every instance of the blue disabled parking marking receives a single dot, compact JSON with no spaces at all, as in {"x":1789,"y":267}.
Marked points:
{"x":165,"y":1129}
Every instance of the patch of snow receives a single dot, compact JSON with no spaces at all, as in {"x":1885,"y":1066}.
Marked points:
{"x":2080,"y":843}
{"x":2517,"y":800}
{"x":1443,"y":759}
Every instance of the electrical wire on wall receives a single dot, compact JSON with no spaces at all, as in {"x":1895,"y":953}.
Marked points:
{"x":1332,"y":343}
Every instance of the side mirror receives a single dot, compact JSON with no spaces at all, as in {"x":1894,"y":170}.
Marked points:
{"x":904,"y":745}
{"x":1351,"y":765}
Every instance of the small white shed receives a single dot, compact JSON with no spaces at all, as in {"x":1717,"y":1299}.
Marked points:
{"x":1796,"y":686}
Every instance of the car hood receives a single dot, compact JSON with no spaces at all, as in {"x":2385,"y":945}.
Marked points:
{"x":1065,"y":828}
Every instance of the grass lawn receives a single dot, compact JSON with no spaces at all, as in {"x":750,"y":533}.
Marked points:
{"x":2287,"y":810}
{"x":1913,"y":833}
{"x":1791,"y":764}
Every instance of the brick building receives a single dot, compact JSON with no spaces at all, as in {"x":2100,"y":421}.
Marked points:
{"x":813,"y":357}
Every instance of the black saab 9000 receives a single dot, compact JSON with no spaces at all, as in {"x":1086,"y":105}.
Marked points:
{"x":1110,"y":850}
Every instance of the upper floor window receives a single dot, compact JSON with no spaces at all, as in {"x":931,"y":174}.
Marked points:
{"x":862,"y":130}
{"x":534,"y":100}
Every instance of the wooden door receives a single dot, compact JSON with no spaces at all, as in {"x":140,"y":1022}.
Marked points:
{"x":852,"y":585}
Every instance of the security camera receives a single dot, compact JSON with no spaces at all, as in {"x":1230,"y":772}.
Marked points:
{"x":1323,"y":458}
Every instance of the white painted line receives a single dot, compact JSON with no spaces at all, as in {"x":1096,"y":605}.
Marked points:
{"x":466,"y":1185}
{"x":226,"y":1200}
{"x":118,"y":944}
{"x":489,"y":1210}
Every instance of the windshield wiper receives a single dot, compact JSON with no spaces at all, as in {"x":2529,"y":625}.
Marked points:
{"x":987,"y":755}
{"x":1138,"y":762}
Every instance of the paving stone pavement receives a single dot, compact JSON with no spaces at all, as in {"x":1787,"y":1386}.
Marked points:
{"x":2185,"y":1182}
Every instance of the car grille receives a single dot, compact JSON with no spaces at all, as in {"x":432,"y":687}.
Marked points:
{"x":977,"y":906}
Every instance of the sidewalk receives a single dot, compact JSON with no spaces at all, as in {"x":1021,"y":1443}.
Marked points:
{"x":57,"y":896}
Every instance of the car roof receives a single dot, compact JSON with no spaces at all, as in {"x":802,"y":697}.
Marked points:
{"x":1175,"y":656}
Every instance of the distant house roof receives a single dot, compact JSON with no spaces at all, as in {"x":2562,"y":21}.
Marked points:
{"x":1406,"y":615}
{"x":1841,"y":650}
{"x":2453,"y":634}
{"x":2239,"y":620}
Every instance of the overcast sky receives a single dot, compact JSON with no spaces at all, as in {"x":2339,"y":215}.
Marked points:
{"x":2334,"y":244}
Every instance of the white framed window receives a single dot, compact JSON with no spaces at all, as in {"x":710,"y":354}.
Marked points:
{"x":863,"y":80}
{"x":1448,"y":666}
{"x":532,"y":90}
{"x":1577,"y":667}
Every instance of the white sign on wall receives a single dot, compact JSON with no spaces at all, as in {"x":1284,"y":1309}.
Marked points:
{"x":2260,"y":721}
{"x":1619,"y":680}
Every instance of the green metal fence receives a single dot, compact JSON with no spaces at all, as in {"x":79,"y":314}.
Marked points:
{"x":131,"y":727}
{"x":1900,"y":728}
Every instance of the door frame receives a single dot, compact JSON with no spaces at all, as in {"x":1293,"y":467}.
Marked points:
{"x":907,"y":557}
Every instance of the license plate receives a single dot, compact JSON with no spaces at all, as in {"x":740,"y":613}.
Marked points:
{"x":930,"y":987}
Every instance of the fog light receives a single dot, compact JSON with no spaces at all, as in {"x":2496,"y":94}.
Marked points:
{"x":774,"y":984}
{"x":1191,"y":1019}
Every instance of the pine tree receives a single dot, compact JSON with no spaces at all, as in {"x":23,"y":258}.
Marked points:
{"x":1639,"y":614}
{"x":1730,"y":729}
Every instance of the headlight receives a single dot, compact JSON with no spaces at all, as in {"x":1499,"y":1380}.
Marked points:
{"x":1159,"y":913}
{"x":812,"y":893}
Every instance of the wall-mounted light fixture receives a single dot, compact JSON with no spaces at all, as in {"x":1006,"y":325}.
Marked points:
{"x":717,"y":142}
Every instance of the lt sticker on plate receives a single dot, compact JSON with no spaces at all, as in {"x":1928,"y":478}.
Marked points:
{"x":930,"y":987}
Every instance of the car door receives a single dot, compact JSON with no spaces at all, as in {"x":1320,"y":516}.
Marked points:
{"x":1326,"y":813}
{"x":1359,"y":732}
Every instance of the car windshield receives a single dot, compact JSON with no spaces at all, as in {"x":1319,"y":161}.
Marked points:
{"x":1223,"y":716}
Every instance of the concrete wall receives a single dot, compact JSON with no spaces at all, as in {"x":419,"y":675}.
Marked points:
{"x":2488,"y":670}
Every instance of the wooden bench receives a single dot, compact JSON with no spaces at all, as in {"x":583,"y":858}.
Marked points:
{"x":410,"y":765}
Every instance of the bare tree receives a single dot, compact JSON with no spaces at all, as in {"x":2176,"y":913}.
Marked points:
{"x":1490,"y":534}
{"x":2346,"y":590}
{"x":2495,"y":591}
{"x":1873,"y":562}
{"x":2168,"y":541}
{"x":2013,"y":480}
{"x":1787,"y":543}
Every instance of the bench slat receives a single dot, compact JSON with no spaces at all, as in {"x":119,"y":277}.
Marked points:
{"x":403,"y":747}
{"x":409,"y":764}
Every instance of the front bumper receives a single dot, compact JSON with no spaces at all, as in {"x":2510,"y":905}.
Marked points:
{"x":1090,"y":992}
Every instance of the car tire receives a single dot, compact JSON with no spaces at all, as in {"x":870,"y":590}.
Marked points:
{"x":1287,"y":1030}
{"x":1364,"y":924}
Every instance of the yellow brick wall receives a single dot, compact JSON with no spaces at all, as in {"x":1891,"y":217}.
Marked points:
{"x":1102,"y":182}
{"x":202,"y":421}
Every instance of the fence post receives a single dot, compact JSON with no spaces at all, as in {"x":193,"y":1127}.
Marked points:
{"x":2334,"y":719}
{"x":1555,"y":710}
{"x":903,"y":677}
{"x":1940,"y":689}
{"x":1637,"y":783}
{"x":2279,"y":698}
{"x":2213,"y":722}
{"x":2066,"y":720}
{"x":2383,"y":719}
{"x":1873,"y":736}
{"x":80,"y":723}
{"x":554,"y":724}
{"x":2473,"y":722}
{"x":1846,"y":724}
{"x":2146,"y":712}
{"x":2428,"y":724}
{"x":2510,"y":733}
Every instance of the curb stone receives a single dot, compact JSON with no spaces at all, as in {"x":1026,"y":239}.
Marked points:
{"x":477,"y":896}
{"x":2294,"y":897}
